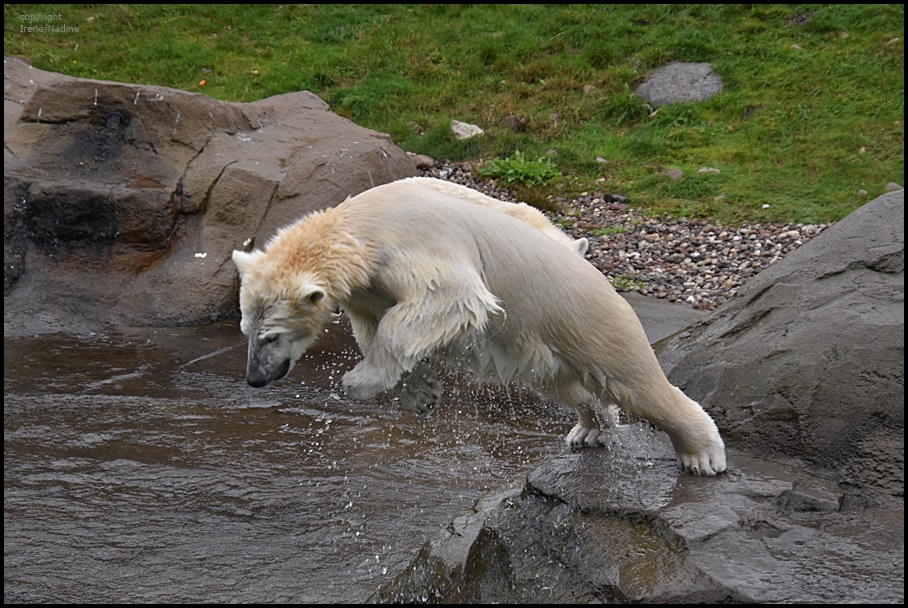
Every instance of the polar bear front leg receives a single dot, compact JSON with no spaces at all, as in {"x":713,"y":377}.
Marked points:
{"x":420,"y":390}
{"x":384,"y":363}
{"x":366,"y":380}
{"x":406,"y":334}
{"x":384,"y":344}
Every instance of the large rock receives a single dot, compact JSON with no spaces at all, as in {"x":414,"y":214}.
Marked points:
{"x":804,"y":373}
{"x":123,"y":202}
{"x":807,"y":362}
{"x":680,"y":82}
{"x":622,"y":526}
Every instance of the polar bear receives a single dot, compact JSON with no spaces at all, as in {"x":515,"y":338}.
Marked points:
{"x":420,"y":273}
{"x":420,"y":390}
{"x":521,"y":211}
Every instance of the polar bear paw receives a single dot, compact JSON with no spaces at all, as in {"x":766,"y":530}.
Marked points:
{"x":582,"y":436}
{"x":420,"y":390}
{"x":364,"y":382}
{"x":710,"y":461}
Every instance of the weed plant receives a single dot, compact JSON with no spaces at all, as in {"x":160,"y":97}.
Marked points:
{"x":811,"y":114}
{"x":518,"y":169}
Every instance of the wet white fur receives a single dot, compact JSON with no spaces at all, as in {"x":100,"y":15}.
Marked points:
{"x":521,"y":211}
{"x":421,"y":273}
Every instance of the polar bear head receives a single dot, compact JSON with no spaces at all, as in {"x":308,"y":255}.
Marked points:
{"x":282,"y":316}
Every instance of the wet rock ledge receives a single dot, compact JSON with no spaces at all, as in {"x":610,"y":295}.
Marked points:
{"x":621,"y":525}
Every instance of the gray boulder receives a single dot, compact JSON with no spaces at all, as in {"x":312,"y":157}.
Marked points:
{"x":807,"y":362}
{"x":679,"y":82}
{"x":123,"y":202}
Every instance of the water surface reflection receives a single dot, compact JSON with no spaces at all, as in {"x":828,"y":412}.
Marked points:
{"x":140,"y":467}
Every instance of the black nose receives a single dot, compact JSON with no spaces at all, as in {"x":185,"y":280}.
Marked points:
{"x":258,"y":379}
{"x":256,"y":382}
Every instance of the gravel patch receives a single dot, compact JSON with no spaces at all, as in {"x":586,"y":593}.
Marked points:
{"x":695,"y":262}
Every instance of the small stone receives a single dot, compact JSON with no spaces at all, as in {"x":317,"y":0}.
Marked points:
{"x":680,"y":82}
{"x":892,"y":187}
{"x":464,"y":130}
{"x":421,"y":161}
{"x":514,"y":122}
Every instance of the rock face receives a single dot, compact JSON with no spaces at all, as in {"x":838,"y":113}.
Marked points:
{"x":807,"y":361}
{"x":122,"y":202}
{"x":680,"y":82}
{"x":804,"y":373}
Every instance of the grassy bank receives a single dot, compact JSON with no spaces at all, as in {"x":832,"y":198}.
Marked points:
{"x":812,"y":110}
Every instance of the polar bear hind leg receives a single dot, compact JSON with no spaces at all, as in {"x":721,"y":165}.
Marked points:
{"x":588,"y":431}
{"x":693,"y":433}
{"x":696,"y":439}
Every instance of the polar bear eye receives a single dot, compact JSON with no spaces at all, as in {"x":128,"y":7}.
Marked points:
{"x":269,"y":338}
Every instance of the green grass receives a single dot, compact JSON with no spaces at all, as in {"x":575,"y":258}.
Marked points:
{"x":801,"y":131}
{"x":518,"y":169}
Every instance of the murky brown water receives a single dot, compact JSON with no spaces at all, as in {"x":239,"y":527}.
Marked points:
{"x":140,"y":467}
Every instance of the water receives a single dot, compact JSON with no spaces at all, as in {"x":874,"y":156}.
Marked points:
{"x":140,"y":467}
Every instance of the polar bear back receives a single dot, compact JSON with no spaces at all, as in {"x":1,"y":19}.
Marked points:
{"x":521,"y":211}
{"x":556,"y":304}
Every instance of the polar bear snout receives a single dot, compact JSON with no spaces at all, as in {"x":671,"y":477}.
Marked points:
{"x":268,"y":360}
{"x":258,"y":378}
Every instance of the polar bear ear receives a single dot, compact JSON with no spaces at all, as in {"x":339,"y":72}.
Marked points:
{"x":244,"y":261}
{"x":311,"y":294}
{"x":582,"y":245}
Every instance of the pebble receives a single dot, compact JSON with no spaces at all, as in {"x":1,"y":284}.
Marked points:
{"x":695,"y":262}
